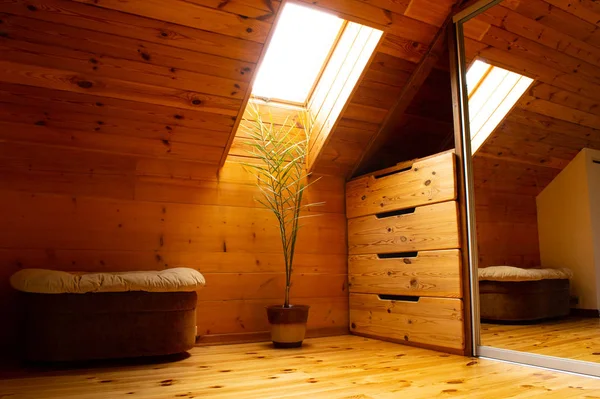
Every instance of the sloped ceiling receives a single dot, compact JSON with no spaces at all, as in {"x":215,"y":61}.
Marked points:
{"x":170,"y":79}
{"x":559,"y":46}
{"x":149,"y":78}
{"x":425,"y":127}
{"x":410,"y":28}
{"x":557,"y":43}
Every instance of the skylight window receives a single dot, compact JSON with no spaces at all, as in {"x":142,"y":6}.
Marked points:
{"x":301,"y":44}
{"x":493,"y":92}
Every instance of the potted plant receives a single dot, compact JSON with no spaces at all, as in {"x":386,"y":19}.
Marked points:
{"x":279,"y":152}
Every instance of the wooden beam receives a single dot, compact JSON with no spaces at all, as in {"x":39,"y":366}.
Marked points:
{"x":240,"y":115}
{"x":408,"y":93}
{"x":340,"y":91}
{"x":470,"y":8}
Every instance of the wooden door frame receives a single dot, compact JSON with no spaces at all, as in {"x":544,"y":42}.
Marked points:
{"x":462,"y":145}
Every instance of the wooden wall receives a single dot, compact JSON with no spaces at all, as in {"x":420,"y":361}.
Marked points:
{"x":558,"y":44}
{"x":80,"y":210}
{"x":506,"y":211}
{"x":114,"y":118}
{"x":189,"y":67}
{"x":116,"y":115}
{"x":425,"y":128}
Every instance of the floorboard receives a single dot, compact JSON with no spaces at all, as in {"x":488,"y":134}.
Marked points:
{"x":572,"y":338}
{"x":344,"y":367}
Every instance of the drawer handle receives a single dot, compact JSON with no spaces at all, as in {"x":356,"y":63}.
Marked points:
{"x":397,"y":255}
{"x":400,"y":212}
{"x":399,"y":298}
{"x":393,"y":172}
{"x":595,"y":161}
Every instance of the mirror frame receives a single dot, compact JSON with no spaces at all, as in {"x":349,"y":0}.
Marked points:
{"x":462,"y":135}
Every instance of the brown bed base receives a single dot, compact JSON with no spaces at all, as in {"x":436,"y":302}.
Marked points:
{"x":508,"y":301}
{"x":76,"y":327}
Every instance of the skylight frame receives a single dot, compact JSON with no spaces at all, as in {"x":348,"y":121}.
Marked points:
{"x":319,"y":75}
{"x":512,"y":94}
{"x":324,"y":66}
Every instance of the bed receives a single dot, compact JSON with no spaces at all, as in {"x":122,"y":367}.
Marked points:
{"x":513,"y":294}
{"x":84,"y":316}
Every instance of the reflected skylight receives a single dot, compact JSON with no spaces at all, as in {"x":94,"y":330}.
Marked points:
{"x":493,"y":92}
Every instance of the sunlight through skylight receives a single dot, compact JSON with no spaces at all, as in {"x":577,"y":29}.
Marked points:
{"x":493,"y":92}
{"x":301,"y":44}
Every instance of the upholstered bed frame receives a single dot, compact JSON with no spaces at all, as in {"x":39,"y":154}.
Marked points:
{"x":74,"y":327}
{"x":510,"y":294}
{"x":75,"y":317}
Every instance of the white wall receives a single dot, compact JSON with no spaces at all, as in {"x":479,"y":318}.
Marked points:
{"x":593,"y":173}
{"x":565,"y":229}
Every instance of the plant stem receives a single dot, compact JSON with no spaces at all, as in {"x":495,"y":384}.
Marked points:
{"x":281,"y":176}
{"x":286,"y":303}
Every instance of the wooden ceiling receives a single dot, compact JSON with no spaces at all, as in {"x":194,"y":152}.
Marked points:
{"x":411,"y":27}
{"x":131,"y":77}
{"x":424,"y":128}
{"x":170,"y":80}
{"x":136,"y":77}
{"x":555,"y":43}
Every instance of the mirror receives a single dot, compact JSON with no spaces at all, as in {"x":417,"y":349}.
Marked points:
{"x":530,"y":91}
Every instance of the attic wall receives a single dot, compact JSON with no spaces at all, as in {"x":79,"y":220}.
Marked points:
{"x":426,"y":127}
{"x":566,"y":224}
{"x":78,"y":209}
{"x":158,"y":214}
{"x":558,"y":46}
{"x":167,"y":84}
{"x":506,"y":212}
{"x":115,"y":116}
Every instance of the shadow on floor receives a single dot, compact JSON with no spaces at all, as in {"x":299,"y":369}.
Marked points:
{"x":22,"y":369}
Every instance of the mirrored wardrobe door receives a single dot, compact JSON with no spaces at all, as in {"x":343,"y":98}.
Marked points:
{"x":530,"y":101}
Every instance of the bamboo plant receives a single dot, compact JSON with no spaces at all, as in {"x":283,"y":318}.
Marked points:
{"x":280,"y":152}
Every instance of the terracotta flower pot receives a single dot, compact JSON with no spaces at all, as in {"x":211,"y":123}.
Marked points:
{"x":288,"y":325}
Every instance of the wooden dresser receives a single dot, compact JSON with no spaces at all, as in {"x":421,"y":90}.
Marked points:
{"x":404,"y":265}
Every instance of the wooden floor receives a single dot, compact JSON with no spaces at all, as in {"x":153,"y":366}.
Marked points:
{"x":573,"y":338}
{"x":337,"y":367}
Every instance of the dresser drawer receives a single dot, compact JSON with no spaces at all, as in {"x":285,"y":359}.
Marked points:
{"x":428,"y":321}
{"x":426,"y":181}
{"x":426,"y":228}
{"x":425,"y":273}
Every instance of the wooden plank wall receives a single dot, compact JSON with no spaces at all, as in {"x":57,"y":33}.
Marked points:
{"x":201,"y":56}
{"x":80,"y":210}
{"x":558,"y":44}
{"x":113,"y":120}
{"x":115,"y":115}
{"x":189,"y":68}
{"x":425,"y":128}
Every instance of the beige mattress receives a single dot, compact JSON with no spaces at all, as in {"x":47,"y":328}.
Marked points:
{"x":42,"y":281}
{"x":516,"y":274}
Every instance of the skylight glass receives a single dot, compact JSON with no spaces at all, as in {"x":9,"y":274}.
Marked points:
{"x":301,"y":44}
{"x":493,"y":92}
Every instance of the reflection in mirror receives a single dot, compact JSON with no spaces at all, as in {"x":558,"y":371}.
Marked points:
{"x":493,"y":92}
{"x":533,"y":83}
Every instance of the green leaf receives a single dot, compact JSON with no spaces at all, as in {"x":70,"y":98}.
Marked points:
{"x":281,"y":176}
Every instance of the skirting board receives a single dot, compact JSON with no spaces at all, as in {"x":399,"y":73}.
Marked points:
{"x":263,"y":336}
{"x":588,"y":313}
